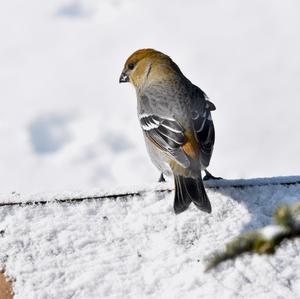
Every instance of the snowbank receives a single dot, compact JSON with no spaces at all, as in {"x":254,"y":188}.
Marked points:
{"x":135,"y":246}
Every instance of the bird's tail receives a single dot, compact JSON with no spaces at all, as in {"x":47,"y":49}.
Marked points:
{"x":189,"y":190}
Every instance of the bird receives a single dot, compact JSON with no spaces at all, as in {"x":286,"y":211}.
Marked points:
{"x":175,"y":117}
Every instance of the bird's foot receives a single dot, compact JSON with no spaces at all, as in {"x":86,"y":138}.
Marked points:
{"x":161,"y":178}
{"x":209,"y":176}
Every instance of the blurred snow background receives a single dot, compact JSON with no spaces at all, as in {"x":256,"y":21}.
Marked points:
{"x":66,"y":123}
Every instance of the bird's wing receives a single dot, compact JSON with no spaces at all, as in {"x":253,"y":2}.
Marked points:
{"x":203,"y":127}
{"x":167,"y":134}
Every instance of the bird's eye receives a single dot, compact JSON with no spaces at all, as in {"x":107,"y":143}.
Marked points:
{"x":131,"y":66}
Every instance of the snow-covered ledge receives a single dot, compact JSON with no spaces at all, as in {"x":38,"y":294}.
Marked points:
{"x":135,"y":246}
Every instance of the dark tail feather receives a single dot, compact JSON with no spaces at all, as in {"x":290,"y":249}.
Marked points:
{"x":189,"y":190}
{"x":181,"y":200}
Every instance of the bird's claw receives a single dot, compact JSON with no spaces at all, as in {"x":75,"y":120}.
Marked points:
{"x":161,"y":178}
{"x":209,"y":176}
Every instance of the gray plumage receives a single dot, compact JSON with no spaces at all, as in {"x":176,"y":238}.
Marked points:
{"x":175,"y":117}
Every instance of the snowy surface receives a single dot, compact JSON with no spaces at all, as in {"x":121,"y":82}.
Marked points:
{"x":16,"y":198}
{"x":67,"y":124}
{"x":136,"y":247}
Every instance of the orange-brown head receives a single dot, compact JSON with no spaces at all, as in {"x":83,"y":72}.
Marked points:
{"x":147,"y":65}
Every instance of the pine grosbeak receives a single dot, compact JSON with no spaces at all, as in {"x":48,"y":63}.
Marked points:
{"x":175,"y":116}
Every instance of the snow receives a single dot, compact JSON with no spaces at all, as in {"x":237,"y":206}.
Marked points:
{"x":67,"y":124}
{"x":271,"y":231}
{"x":136,"y":247}
{"x":15,"y":198}
{"x":68,"y":129}
{"x":289,"y":180}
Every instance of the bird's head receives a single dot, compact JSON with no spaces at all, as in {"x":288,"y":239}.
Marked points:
{"x":147,"y":65}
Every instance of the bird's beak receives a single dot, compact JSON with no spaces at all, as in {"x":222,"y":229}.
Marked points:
{"x":123,"y":78}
